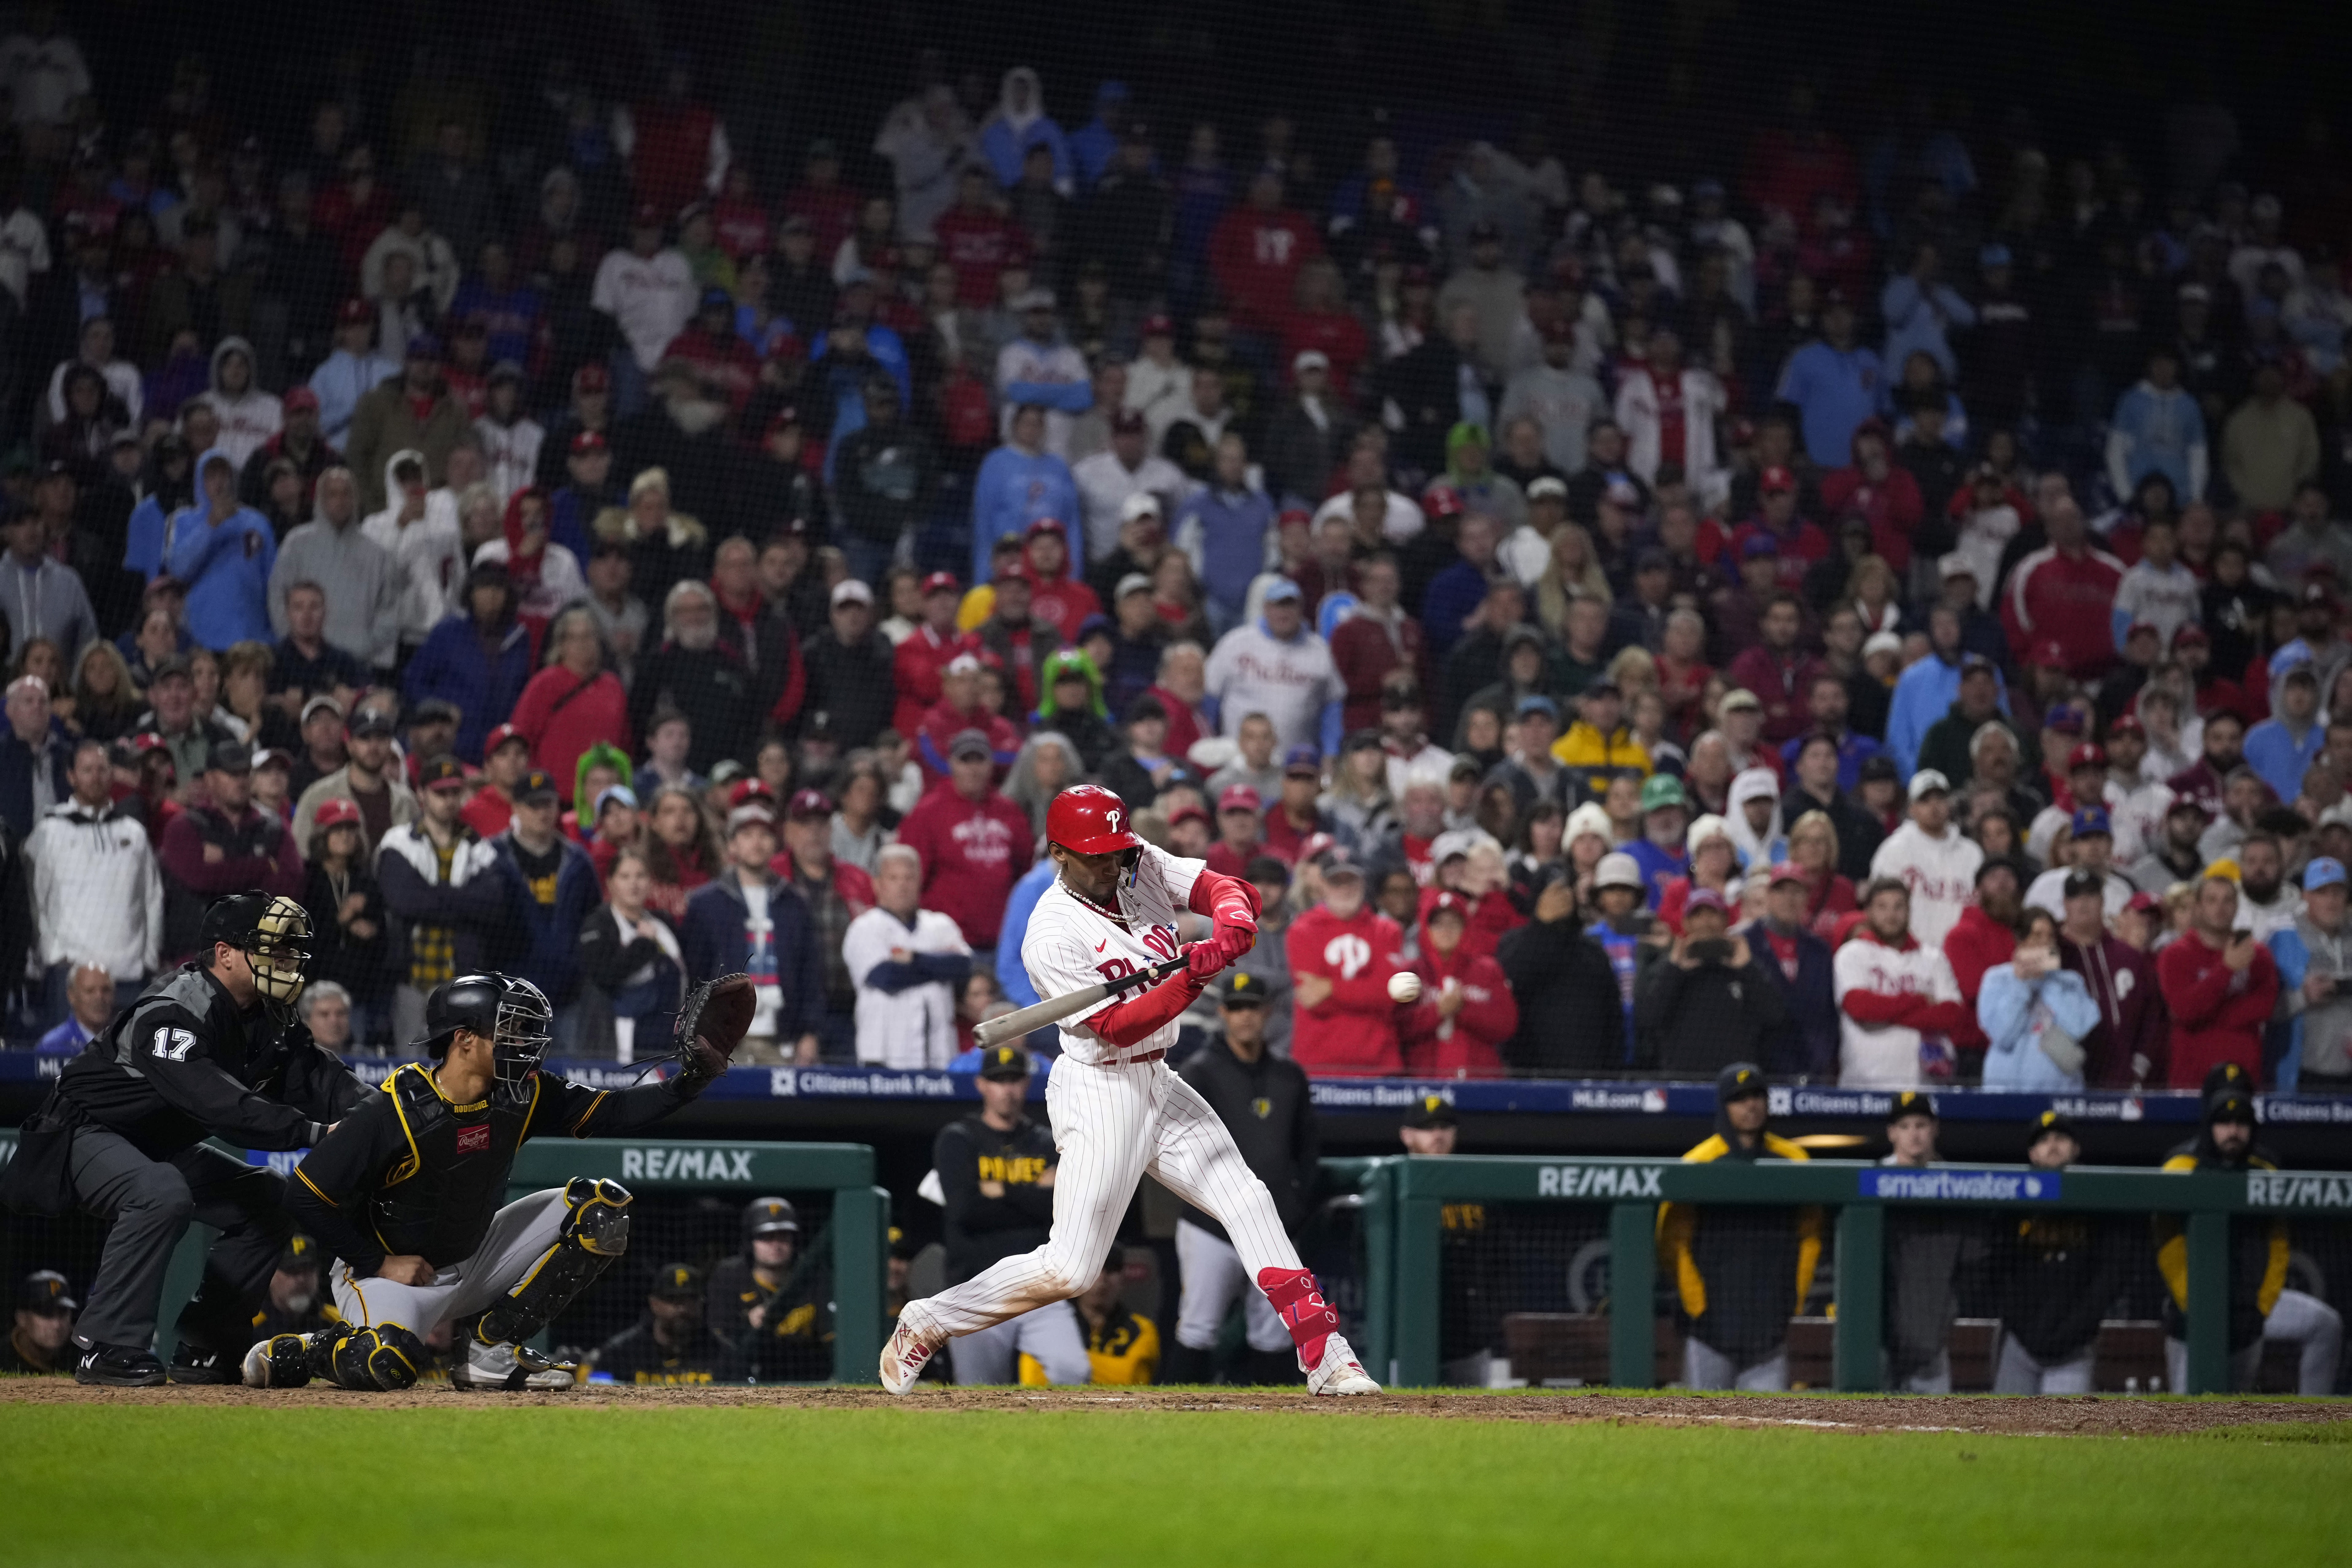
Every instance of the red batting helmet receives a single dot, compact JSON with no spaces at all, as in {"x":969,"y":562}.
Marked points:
{"x":1090,"y":820}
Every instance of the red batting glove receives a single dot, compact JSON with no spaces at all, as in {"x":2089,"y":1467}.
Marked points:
{"x":1233,"y":940}
{"x":1203,"y":959}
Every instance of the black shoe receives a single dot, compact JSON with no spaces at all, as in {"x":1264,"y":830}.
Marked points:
{"x":195,"y":1363}
{"x":119,"y":1366}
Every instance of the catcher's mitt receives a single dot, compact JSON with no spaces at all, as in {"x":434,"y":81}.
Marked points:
{"x":717,"y":1016}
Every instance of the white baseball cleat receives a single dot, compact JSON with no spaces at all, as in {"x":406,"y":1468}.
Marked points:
{"x":904,"y":1358}
{"x":1341,"y":1374}
{"x":513,"y":1368}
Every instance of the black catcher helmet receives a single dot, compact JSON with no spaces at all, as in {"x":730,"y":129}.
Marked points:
{"x":269,"y":929}
{"x":505,"y":1009}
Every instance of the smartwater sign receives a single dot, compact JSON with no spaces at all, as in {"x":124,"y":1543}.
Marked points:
{"x":1961,"y":1187}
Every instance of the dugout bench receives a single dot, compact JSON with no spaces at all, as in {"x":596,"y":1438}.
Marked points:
{"x":1404,"y":1201}
{"x":857,"y":1228}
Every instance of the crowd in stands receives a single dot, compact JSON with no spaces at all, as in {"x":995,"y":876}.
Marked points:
{"x":1877,"y":613}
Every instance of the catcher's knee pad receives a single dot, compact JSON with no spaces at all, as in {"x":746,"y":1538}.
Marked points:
{"x":386,"y":1357}
{"x":595,"y":1231}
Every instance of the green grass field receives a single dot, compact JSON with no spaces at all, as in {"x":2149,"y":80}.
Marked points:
{"x":479,"y":1483}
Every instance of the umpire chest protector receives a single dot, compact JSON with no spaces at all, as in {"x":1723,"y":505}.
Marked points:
{"x":438,"y":1199}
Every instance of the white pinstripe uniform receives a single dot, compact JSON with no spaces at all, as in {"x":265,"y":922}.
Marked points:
{"x":1117,"y":1113}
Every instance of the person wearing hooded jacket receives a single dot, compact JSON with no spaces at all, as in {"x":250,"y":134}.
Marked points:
{"x":1085,"y":724}
{"x":1741,"y":1274}
{"x":2261,"y":1306}
{"x":1020,"y":123}
{"x":1466,"y":1010}
{"x":222,"y":550}
{"x":359,"y":578}
{"x":426,"y":550}
{"x":2035,"y":1017}
{"x":478,"y":660}
{"x":248,"y":415}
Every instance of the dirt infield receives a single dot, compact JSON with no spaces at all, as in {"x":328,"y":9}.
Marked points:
{"x":2088,"y":1415}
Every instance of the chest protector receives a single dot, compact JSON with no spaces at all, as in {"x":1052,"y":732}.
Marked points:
{"x":438,"y":1200}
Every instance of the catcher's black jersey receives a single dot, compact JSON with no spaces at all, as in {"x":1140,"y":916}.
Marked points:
{"x":409,"y":1171}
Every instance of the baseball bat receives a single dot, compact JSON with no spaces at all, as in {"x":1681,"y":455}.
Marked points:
{"x":1011,"y":1027}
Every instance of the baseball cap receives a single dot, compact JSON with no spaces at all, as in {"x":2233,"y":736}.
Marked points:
{"x":1006,"y":1064}
{"x":1662,"y":790}
{"x":2324,"y":871}
{"x":1051,"y":525}
{"x":969,"y":743}
{"x":1158,"y":325}
{"x":169,"y":665}
{"x":2084,"y":884}
{"x":538,"y":786}
{"x":1431,"y":1110}
{"x":678,"y":1282}
{"x":1550,"y":486}
{"x":2048,"y":653}
{"x":1303,"y":762}
{"x":505,"y":734}
{"x":1309,"y":359}
{"x":808,"y":803}
{"x":2089,"y":754}
{"x":1142,"y":503}
{"x":1282,"y":590}
{"x":1706,"y":898}
{"x":1928,"y":782}
{"x":1617,"y":870}
{"x":587,"y":442}
{"x":433,"y":711}
{"x":1239,"y":797}
{"x":316,"y":703}
{"x":299,"y":398}
{"x":1339,"y":866}
{"x":1911,"y":1103}
{"x":1786,"y":871}
{"x":1015,"y":571}
{"x":371,"y":722}
{"x":426,"y":346}
{"x":1239,"y":988}
{"x":1776,"y":479}
{"x":1447,"y":903}
{"x":1739,"y":696}
{"x":272,"y":756}
{"x":1133,"y":582}
{"x":2128,"y":724}
{"x":45,"y":1290}
{"x":354,"y":312}
{"x":1954,"y":564}
{"x":754,"y":812}
{"x":443,"y":771}
{"x":229,"y":757}
{"x":1537,"y":702}
{"x":1758,"y":545}
{"x":2063,"y":721}
{"x":850,"y":591}
{"x":1740,"y":1081}
{"x":335,"y":813}
{"x":941,"y":582}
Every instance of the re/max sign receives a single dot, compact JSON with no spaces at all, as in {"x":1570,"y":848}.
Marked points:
{"x":1597,"y":1181}
{"x":683,"y":1164}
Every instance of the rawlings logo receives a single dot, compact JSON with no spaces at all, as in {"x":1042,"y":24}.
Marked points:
{"x":474,"y":1140}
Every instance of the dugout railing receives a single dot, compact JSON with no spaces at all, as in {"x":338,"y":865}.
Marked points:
{"x":1411,"y":1204}
{"x":850,"y":1217}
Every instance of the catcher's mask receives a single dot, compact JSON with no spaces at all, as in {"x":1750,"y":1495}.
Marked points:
{"x":274,"y":933}
{"x":509,"y":1012}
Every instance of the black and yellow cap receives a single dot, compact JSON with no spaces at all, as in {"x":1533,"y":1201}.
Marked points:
{"x":678,"y":1282}
{"x":1738,"y":1081}
{"x":299,"y":1252}
{"x":1005,"y":1063}
{"x":2226,"y":1078}
{"x":2055,"y":1121}
{"x":1432,"y":1111}
{"x":1912,"y":1102}
{"x":45,"y":1291}
{"x":1236,"y":988}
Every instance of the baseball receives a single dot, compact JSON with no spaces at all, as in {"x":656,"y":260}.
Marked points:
{"x":1404,"y":985}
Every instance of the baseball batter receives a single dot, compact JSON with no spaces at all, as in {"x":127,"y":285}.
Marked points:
{"x":1117,"y":1109}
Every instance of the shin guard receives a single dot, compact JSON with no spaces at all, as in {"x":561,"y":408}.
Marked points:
{"x":1298,"y":1302}
{"x":595,"y":1232}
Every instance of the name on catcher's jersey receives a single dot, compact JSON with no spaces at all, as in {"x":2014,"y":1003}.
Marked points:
{"x":1070,"y":944}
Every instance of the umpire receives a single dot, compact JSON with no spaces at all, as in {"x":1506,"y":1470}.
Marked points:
{"x":212,"y":1049}
{"x":1261,"y":1098}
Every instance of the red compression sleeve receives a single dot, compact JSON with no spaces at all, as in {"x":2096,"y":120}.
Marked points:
{"x":1223,"y":898}
{"x":1122,"y":1024}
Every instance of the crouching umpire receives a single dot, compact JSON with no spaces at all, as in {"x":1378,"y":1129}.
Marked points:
{"x":405,"y":1192}
{"x":210,"y":1049}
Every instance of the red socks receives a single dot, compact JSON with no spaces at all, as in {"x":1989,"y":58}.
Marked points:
{"x":1298,"y":1301}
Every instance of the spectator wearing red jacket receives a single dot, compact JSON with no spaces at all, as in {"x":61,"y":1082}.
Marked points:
{"x":2066,"y":593}
{"x":1255,"y":254}
{"x":957,"y":710}
{"x":1779,"y":671}
{"x":1241,"y":837}
{"x":1294,"y":820}
{"x":1055,"y":597}
{"x":1377,"y":636}
{"x":1880,"y":492}
{"x":979,"y":240}
{"x":724,"y":361}
{"x":1342,"y":953}
{"x":1466,"y":1010}
{"x":2220,"y":984}
{"x":974,"y":843}
{"x":918,"y":670}
{"x":1984,"y":935}
{"x":674,"y":146}
{"x":573,"y":703}
{"x":1798,"y":542}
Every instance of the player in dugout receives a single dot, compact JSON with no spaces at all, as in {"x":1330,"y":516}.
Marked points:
{"x":760,"y":1306}
{"x":406,"y":1190}
{"x":1117,"y":1109}
{"x":1742,"y":1272}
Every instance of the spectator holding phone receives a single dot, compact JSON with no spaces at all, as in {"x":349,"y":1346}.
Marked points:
{"x":2219,"y":983}
{"x":1703,"y":1003}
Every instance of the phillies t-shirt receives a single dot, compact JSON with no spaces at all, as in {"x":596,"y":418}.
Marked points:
{"x":1673,"y":419}
{"x":972,"y":851}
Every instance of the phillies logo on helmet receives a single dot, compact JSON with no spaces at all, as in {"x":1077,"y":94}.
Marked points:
{"x":1112,"y":818}
{"x":1090,"y":820}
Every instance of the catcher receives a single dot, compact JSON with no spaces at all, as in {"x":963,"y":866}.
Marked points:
{"x":404,"y":1191}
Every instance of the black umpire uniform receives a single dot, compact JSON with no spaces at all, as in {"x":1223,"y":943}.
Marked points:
{"x":129,"y":1118}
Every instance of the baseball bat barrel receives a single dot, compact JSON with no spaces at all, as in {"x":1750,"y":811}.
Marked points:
{"x":1011,"y":1027}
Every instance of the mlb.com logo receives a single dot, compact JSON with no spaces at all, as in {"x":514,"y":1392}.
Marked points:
{"x":1653,"y":1101}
